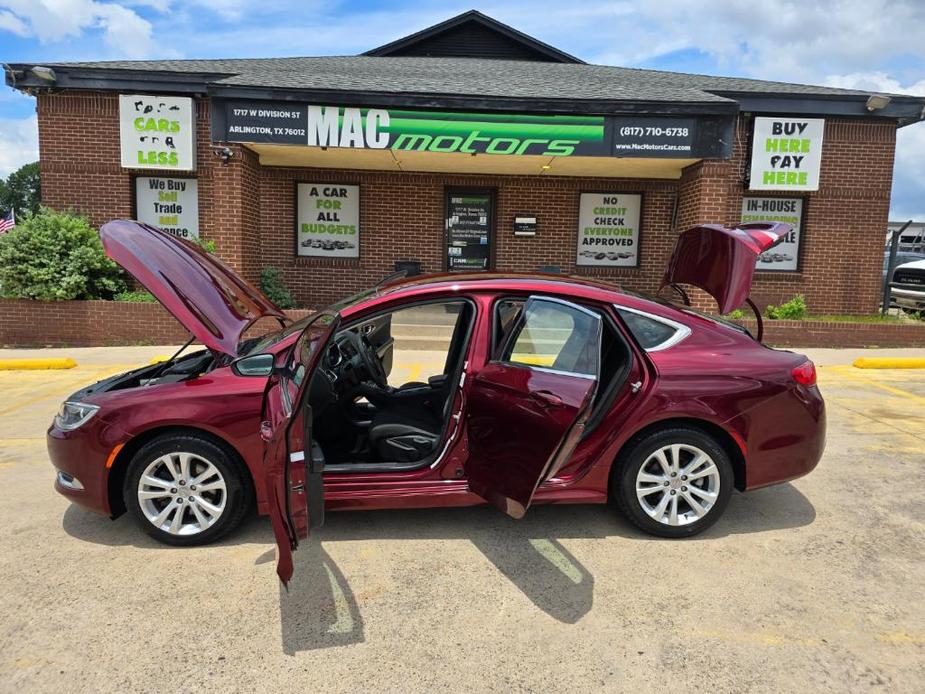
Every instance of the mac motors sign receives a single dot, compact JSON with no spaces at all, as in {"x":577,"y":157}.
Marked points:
{"x":519,"y":134}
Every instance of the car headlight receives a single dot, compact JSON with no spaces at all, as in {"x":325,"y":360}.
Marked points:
{"x":72,"y":415}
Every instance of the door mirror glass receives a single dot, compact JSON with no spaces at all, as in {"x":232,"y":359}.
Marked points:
{"x":256,"y":365}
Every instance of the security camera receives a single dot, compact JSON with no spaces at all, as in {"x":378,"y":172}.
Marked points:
{"x":225,"y":154}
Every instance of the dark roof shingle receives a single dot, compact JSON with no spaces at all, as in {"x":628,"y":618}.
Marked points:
{"x":468,"y":76}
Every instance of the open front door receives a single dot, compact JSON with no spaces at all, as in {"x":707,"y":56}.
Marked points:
{"x":293,"y":463}
{"x":529,"y":406}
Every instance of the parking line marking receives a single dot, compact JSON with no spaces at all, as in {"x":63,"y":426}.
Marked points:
{"x":845,"y":371}
{"x":57,"y":388}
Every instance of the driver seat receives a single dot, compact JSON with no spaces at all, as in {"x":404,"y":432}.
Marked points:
{"x":402,"y":436}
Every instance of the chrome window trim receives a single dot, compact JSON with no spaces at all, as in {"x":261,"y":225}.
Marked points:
{"x":681,"y":330}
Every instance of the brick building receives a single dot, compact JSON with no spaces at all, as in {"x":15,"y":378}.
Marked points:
{"x":470,"y":145}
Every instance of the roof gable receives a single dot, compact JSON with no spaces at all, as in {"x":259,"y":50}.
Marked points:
{"x":473,"y":35}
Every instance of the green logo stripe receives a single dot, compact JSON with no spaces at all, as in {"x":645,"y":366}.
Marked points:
{"x":494,"y":117}
{"x":410,"y":126}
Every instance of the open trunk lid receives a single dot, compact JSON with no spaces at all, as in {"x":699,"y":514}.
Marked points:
{"x":210,"y":299}
{"x":722,"y":261}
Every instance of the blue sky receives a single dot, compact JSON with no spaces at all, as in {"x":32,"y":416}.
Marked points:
{"x":867,"y":44}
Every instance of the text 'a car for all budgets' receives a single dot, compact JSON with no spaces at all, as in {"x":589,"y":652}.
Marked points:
{"x":553,"y":389}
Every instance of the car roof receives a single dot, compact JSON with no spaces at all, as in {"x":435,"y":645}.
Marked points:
{"x":489,"y":281}
{"x":579,"y":288}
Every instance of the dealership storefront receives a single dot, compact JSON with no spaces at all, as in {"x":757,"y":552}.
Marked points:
{"x":472,"y":147}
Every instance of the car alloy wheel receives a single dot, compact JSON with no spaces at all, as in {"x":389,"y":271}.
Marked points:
{"x":673,"y":481}
{"x":182,"y":493}
{"x":677,"y":484}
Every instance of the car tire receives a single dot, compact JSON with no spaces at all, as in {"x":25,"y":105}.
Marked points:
{"x":205,"y":502}
{"x":642,"y":485}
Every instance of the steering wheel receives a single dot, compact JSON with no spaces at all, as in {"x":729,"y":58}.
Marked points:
{"x":370,"y":359}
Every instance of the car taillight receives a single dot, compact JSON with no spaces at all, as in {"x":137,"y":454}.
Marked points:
{"x":805,"y":374}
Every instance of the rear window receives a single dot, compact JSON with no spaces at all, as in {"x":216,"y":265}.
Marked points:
{"x":652,"y":333}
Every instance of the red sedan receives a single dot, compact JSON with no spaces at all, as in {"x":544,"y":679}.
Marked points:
{"x":543,"y":389}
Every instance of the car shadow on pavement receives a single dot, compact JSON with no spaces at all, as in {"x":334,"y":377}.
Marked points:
{"x":320,"y":610}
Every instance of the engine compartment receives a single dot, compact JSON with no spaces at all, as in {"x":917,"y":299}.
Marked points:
{"x":182,"y":369}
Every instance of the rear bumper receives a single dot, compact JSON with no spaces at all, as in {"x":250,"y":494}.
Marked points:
{"x":785,"y":437}
{"x":79,"y":458}
{"x":908,"y":298}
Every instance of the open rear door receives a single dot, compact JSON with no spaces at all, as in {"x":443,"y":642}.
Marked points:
{"x":293,"y":463}
{"x":528,"y":407}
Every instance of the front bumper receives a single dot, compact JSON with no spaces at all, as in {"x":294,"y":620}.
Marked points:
{"x":908,"y":298}
{"x":79,"y":458}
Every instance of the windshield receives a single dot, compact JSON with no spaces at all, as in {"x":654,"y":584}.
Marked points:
{"x":257,"y":345}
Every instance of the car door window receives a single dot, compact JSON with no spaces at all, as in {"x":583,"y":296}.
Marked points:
{"x":507,"y":311}
{"x":555,"y":335}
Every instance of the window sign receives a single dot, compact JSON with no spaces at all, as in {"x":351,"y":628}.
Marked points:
{"x":469,"y":224}
{"x":786,"y":153}
{"x":157,"y":132}
{"x":785,"y":255}
{"x":328,"y":220}
{"x":171,"y":204}
{"x":608,"y":229}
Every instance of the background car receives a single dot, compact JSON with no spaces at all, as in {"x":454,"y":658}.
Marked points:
{"x":907,"y":288}
{"x":547,"y":390}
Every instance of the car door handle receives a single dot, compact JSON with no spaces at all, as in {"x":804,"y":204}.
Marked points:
{"x":546,"y":399}
{"x":266,"y":431}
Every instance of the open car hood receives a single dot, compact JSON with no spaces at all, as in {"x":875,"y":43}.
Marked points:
{"x":211,"y":301}
{"x":722,"y":261}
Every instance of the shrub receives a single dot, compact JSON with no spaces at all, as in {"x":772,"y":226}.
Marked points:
{"x":271,"y":284}
{"x":138,"y":297}
{"x":795,"y":309}
{"x":208,"y":245}
{"x":737,"y":314}
{"x":56,"y":256}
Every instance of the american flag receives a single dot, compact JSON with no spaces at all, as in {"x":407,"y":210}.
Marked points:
{"x":8,"y":222}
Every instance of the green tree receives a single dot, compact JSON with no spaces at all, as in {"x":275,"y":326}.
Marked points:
{"x":55,"y":256}
{"x":21,"y":191}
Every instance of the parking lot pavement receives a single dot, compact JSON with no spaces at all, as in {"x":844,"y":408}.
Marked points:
{"x":818,"y":585}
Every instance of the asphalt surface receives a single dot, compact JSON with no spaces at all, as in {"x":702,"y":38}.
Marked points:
{"x":818,"y":585}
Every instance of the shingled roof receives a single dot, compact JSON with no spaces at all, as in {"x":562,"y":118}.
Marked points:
{"x":388,"y":76}
{"x":466,"y":76}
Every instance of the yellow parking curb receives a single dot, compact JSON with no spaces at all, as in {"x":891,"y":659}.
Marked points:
{"x":37,"y":364}
{"x":889,"y":363}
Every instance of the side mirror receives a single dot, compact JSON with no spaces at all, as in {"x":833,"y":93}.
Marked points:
{"x":255,"y":365}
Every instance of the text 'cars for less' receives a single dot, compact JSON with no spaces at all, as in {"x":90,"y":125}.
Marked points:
{"x":544,"y":389}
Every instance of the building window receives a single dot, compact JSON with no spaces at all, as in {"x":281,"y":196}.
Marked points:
{"x":785,"y":256}
{"x":171,"y":204}
{"x":328,"y":220}
{"x":608,"y":229}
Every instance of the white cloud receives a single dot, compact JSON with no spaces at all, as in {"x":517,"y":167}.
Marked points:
{"x":10,"y":22}
{"x":908,"y":199}
{"x":877,"y":81}
{"x":54,"y":20}
{"x":783,"y":40}
{"x":19,"y":143}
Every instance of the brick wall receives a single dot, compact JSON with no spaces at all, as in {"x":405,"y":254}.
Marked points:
{"x":25,"y":323}
{"x":108,"y":323}
{"x":844,"y":222}
{"x":402,"y":218}
{"x":248,"y":209}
